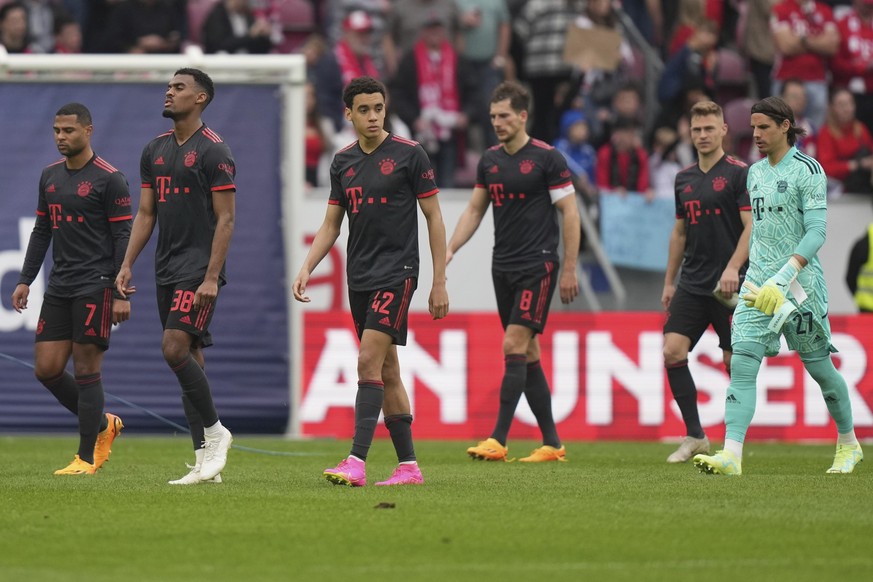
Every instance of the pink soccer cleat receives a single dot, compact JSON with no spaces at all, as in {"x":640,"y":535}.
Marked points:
{"x":350,"y":472}
{"x":405,"y":474}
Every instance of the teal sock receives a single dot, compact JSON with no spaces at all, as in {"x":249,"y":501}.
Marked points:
{"x":742,"y":394}
{"x":834,"y":390}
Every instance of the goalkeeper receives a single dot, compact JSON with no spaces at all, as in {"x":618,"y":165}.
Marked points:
{"x":784,"y":292}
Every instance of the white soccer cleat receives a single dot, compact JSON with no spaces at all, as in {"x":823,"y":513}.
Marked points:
{"x":215,"y":454}
{"x":690,"y":446}
{"x":193,"y":477}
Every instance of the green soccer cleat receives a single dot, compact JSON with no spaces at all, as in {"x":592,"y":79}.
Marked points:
{"x":721,"y":463}
{"x":846,"y":458}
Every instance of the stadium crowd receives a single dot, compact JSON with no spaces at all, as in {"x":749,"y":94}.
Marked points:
{"x":592,"y":87}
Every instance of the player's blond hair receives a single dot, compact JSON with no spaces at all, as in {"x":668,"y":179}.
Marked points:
{"x":704,"y":108}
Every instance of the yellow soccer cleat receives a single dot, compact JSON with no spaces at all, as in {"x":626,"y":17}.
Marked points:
{"x":77,"y":467}
{"x":846,"y":458}
{"x":102,"y":449}
{"x":721,"y":463}
{"x":488,"y":450}
{"x":545,"y":453}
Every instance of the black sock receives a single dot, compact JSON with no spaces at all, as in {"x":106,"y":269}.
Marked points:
{"x":510,"y":391}
{"x":685,"y":395}
{"x":368,"y":405}
{"x":90,"y":412}
{"x":195,"y":423}
{"x":195,"y":386}
{"x":400,"y":428}
{"x":65,"y":389}
{"x":539,"y":397}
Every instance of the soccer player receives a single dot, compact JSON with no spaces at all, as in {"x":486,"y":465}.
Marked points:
{"x":188,"y":190}
{"x":376,"y":182}
{"x":524,"y":180}
{"x":784,"y":291}
{"x":83,"y":212}
{"x":710,"y":240}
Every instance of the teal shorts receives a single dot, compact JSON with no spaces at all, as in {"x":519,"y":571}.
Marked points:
{"x":807,"y":329}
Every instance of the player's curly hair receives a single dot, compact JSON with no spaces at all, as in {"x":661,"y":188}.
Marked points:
{"x":362,"y":86}
{"x":203,"y":81}
{"x":519,"y":98}
{"x":778,"y":110}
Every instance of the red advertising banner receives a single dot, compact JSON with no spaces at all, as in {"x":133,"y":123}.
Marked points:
{"x":606,"y":373}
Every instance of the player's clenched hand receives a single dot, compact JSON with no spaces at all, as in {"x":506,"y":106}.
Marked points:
{"x":19,"y":297}
{"x":438,"y":301}
{"x":205,"y":295}
{"x":120,"y":310}
{"x":299,"y":287}
{"x":729,"y":282}
{"x":569,"y":285}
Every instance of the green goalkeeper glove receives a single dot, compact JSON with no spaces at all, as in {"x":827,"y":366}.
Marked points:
{"x":772,"y":294}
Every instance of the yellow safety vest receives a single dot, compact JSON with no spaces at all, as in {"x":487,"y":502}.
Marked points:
{"x":864,"y":292}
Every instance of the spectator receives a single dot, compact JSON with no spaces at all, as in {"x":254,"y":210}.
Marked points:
{"x":794,"y":94}
{"x":859,"y":272}
{"x":623,"y":164}
{"x":41,"y":15}
{"x":626,"y":103}
{"x":852,"y":67}
{"x":232,"y":28}
{"x":428,"y":93}
{"x":318,"y":139}
{"x":691,"y":14}
{"x":13,"y":28}
{"x":353,"y":49}
{"x":694,"y":64}
{"x":648,"y":17}
{"x":377,"y":10}
{"x":664,"y":163}
{"x":405,"y":22}
{"x":484,"y":45}
{"x":542,"y":27}
{"x":805,"y":35}
{"x":580,"y":155}
{"x":323,"y":70}
{"x":845,"y":148}
{"x":757,"y":42}
{"x":145,"y":27}
{"x":68,"y":35}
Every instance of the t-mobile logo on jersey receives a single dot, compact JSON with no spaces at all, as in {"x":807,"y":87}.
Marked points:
{"x":164,"y":188}
{"x":57,"y":216}
{"x":496,"y":191}
{"x":692,"y":210}
{"x":356,"y":199}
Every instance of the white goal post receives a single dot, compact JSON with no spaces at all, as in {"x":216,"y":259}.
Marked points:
{"x":288,"y":72}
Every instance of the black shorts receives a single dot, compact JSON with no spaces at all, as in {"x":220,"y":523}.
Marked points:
{"x":84,"y":320}
{"x":384,"y":310}
{"x":524,"y":297}
{"x":690,"y":315}
{"x":176,"y":310}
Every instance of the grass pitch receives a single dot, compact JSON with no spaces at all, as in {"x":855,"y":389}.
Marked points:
{"x":615,"y":511}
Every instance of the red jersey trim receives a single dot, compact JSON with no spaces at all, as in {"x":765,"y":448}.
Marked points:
{"x":41,"y":213}
{"x":333,"y":202}
{"x":221,"y":188}
{"x":479,"y":186}
{"x":429,"y":194}
{"x":144,"y":185}
{"x":60,"y":161}
{"x":348,"y":147}
{"x":103,"y":164}
{"x":120,"y":218}
{"x":166,"y":133}
{"x":559,"y":186}
{"x":540,"y":144}
{"x":211,"y":135}
{"x":747,"y":208}
{"x":397,"y":138}
{"x":736,"y":162}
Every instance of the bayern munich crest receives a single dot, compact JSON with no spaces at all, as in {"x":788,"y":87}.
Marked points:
{"x":719,"y":183}
{"x":387,"y":166}
{"x":526,"y":166}
{"x":84,"y":189}
{"x":190,"y":158}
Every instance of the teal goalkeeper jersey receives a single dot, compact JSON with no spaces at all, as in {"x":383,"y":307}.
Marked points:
{"x":779,"y":196}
